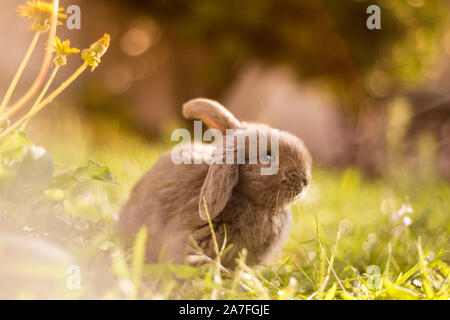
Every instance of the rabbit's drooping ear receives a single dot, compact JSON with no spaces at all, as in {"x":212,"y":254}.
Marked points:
{"x":217,"y":188}
{"x":211,"y":112}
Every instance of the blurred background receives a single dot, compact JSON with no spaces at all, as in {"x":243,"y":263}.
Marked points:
{"x":310,"y":67}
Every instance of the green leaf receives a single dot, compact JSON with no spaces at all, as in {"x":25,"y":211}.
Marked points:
{"x":11,"y":146}
{"x":138,"y":259}
{"x":346,"y":296}
{"x":155,"y":271}
{"x":443,"y":268}
{"x":64,"y":180}
{"x":184,"y":271}
{"x":429,"y":292}
{"x":94,"y":170}
{"x":398,"y":292}
{"x":32,"y":174}
{"x":331,"y":293}
{"x":403,"y":278}
{"x":227,"y":249}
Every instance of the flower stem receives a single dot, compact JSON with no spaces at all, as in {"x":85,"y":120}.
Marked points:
{"x":42,"y":73}
{"x":46,"y":101}
{"x":41,"y":95}
{"x":19,"y":72}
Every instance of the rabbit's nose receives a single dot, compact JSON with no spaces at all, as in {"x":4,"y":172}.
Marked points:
{"x":296,"y":179}
{"x":306,"y":179}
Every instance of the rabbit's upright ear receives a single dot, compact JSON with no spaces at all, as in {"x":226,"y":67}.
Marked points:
{"x":211,"y":112}
{"x":217,"y":189}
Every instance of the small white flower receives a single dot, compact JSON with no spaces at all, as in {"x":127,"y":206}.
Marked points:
{"x":407,"y":221}
{"x":431,"y":256}
{"x":372,"y":238}
{"x":405,"y":209}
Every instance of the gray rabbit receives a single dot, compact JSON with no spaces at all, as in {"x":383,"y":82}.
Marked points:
{"x":250,"y":209}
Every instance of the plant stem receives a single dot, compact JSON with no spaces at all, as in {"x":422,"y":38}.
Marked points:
{"x":46,"y":101}
{"x":42,"y":94}
{"x":19,"y":72}
{"x":213,"y":234}
{"x":42,"y":73}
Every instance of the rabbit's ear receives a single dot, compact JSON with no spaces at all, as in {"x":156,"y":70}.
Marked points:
{"x":211,"y":112}
{"x":217,"y":189}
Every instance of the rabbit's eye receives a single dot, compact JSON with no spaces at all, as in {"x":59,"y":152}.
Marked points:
{"x":267,"y":158}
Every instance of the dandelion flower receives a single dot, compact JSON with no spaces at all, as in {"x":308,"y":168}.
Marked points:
{"x":92,"y":55}
{"x":40,"y":14}
{"x":62,"y":50}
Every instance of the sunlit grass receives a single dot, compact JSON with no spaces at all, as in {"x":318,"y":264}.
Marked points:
{"x":353,"y":237}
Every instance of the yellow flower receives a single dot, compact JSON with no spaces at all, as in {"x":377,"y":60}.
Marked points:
{"x":92,"y":55}
{"x":40,"y":14}
{"x":62,"y":50}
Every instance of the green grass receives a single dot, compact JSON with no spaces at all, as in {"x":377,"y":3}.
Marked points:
{"x":353,"y":237}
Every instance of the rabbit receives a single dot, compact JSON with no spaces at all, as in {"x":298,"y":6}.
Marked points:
{"x":248,"y":209}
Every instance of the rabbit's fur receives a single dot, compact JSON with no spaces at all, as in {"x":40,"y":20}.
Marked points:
{"x":253,"y":210}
